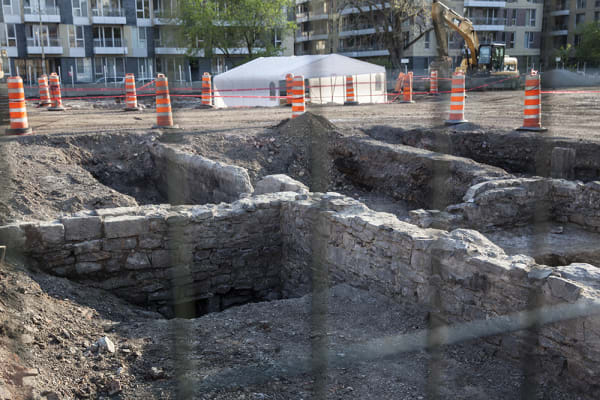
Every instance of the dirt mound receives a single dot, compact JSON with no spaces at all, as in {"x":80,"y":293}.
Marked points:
{"x":312,"y":137}
{"x":308,"y":124}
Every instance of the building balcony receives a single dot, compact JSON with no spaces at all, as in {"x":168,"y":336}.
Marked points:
{"x":163,"y":49}
{"x":165,"y":17}
{"x":311,"y":35}
{"x":51,"y":46}
{"x":356,"y":31}
{"x":485,"y":3}
{"x":105,"y":15}
{"x":48,"y":14}
{"x":11,"y":51}
{"x":311,"y":17}
{"x":12,"y":14}
{"x":110,"y":46}
{"x":559,"y":30}
{"x":559,"y":13}
{"x":488,"y":24}
{"x":363,"y":51}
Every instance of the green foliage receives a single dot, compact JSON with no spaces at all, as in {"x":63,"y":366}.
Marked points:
{"x":564,"y":53}
{"x":588,"y":48}
{"x":233,"y":24}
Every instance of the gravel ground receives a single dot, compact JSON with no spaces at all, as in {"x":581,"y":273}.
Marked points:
{"x":570,"y":115}
{"x":49,"y":328}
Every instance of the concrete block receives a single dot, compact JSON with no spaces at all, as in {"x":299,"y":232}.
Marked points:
{"x":125,"y":226}
{"x":12,"y":236}
{"x":137,"y":261}
{"x":82,"y":228}
{"x":87,"y":247}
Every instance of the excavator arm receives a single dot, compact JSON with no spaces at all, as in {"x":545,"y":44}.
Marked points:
{"x":442,"y":15}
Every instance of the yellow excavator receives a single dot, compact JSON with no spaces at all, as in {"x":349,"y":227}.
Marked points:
{"x":481,"y":61}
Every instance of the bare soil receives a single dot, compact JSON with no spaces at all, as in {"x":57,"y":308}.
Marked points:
{"x":76,"y":160}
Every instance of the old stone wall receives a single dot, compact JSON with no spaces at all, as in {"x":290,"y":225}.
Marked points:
{"x":514,"y":202}
{"x":185,"y":178}
{"x":460,"y":275}
{"x":285,"y":244}
{"x":158,"y":256}
{"x":425,"y":178}
{"x":516,"y":152}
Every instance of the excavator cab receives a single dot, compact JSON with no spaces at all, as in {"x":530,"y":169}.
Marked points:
{"x":491,"y":57}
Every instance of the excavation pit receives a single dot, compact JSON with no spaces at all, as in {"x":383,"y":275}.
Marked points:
{"x":189,"y":260}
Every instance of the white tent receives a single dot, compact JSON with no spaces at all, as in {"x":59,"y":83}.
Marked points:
{"x":260,"y":80}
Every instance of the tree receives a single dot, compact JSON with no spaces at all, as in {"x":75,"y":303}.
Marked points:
{"x":564,"y":53}
{"x":398,"y":23}
{"x":227,"y":25}
{"x":588,"y":48}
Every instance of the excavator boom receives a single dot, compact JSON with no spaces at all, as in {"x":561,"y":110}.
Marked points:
{"x":442,"y":15}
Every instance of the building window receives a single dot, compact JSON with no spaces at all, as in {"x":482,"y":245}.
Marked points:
{"x":80,"y":8}
{"x":8,"y":35}
{"x":10,"y":7}
{"x":597,"y":16}
{"x":142,"y":38}
{"x":108,"y":36}
{"x":597,"y":4}
{"x":581,"y":4}
{"x":143,"y":8}
{"x":109,"y":67}
{"x":529,"y":40}
{"x":46,"y":34}
{"x":510,"y":40}
{"x":76,"y":39}
{"x":579,"y":18}
{"x":107,"y":8}
{"x":577,"y":40}
{"x":427,"y":40}
{"x":530,"y":17}
{"x":513,"y":17}
{"x":83,"y":67}
{"x":48,"y":7}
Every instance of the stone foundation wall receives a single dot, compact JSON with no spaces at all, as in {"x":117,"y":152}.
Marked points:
{"x":425,"y":178}
{"x":281,"y":244}
{"x":514,"y":202}
{"x":185,"y":178}
{"x":460,"y":275}
{"x":160,"y":256}
{"x":517,"y":152}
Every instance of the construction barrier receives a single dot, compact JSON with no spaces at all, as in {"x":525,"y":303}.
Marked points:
{"x":433,"y":83}
{"x":206,"y":95}
{"x":532,"y":114}
{"x":407,"y":91}
{"x":298,"y":106}
{"x":350,"y":98}
{"x":130,"y":94}
{"x":457,"y":100}
{"x":44,"y":91}
{"x":19,"y":125}
{"x":164,"y":117}
{"x":56,"y":97}
{"x":289,"y":83}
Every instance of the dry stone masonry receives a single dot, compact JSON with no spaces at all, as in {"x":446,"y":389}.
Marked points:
{"x":264,"y":247}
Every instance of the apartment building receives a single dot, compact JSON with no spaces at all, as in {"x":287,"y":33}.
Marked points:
{"x":322,"y":28}
{"x":563,"y":20}
{"x":90,"y":39}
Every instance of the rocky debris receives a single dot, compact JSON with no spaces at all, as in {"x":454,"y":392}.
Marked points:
{"x":105,"y":345}
{"x":279,"y":183}
{"x":156,"y":373}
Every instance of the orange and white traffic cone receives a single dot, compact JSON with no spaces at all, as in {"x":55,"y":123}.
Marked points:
{"x":433,"y":83}
{"x":289,"y":84}
{"x":532,"y":118}
{"x":130,"y":93}
{"x":44,"y":91}
{"x":206,"y":93}
{"x":457,"y":100}
{"x":164,"y":117}
{"x":56,"y":97}
{"x":408,"y":89}
{"x":350,"y":98}
{"x":19,"y":125}
{"x":298,"y":106}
